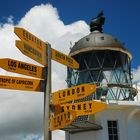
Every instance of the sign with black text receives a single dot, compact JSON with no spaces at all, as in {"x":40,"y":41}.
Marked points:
{"x":73,"y":93}
{"x":62,"y":120}
{"x":23,"y":68}
{"x":84,"y":108}
{"x":17,"y":83}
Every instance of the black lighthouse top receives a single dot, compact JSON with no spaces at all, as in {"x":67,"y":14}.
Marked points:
{"x":97,"y":22}
{"x":97,"y":40}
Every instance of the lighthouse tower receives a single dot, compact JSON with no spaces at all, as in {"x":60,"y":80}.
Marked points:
{"x":104,"y":61}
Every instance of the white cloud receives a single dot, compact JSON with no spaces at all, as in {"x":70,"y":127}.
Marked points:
{"x":21,"y":115}
{"x":136,"y":82}
{"x":136,"y":75}
{"x":10,"y":19}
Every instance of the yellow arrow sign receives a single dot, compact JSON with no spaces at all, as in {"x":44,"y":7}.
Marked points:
{"x":8,"y":82}
{"x":38,"y":47}
{"x":32,"y":52}
{"x":30,"y":39}
{"x":62,"y":120}
{"x":73,"y":93}
{"x":64,"y":59}
{"x":22,"y":68}
{"x":84,"y":108}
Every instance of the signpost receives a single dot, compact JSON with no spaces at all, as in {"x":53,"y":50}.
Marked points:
{"x":73,"y":93}
{"x":38,"y":50}
{"x":23,"y":68}
{"x":35,"y":48}
{"x":62,"y":120}
{"x":32,"y":52}
{"x":31,"y":45}
{"x":17,"y":83}
{"x":30,"y":39}
{"x":64,"y":59}
{"x":47,"y":99}
{"x":84,"y":108}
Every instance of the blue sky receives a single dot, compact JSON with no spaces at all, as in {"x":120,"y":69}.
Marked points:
{"x":122,"y":17}
{"x":67,"y":23}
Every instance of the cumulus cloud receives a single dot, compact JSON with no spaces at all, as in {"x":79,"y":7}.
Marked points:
{"x":136,"y":81}
{"x":21,"y":113}
{"x":10,"y":19}
{"x":136,"y":74}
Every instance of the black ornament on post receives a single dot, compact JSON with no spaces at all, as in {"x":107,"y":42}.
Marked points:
{"x":96,"y":23}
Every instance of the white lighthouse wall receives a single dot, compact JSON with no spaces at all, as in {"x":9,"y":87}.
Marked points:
{"x":117,"y":115}
{"x":134,"y":125}
{"x":128,"y":125}
{"x":81,"y":136}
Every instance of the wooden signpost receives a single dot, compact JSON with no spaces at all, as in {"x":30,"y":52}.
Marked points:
{"x":16,"y":83}
{"x":64,"y":59}
{"x":30,"y":39}
{"x":36,"y":49}
{"x":24,"y":68}
{"x":84,"y":108}
{"x":62,"y":120}
{"x":73,"y":93}
{"x":31,"y":46}
{"x":32,"y":52}
{"x":40,"y":51}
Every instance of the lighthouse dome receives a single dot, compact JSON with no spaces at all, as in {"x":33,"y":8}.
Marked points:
{"x":98,"y":41}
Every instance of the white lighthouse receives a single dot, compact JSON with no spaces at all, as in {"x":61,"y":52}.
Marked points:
{"x":104,"y":61}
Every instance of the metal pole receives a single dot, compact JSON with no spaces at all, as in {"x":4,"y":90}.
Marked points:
{"x":47,"y":132}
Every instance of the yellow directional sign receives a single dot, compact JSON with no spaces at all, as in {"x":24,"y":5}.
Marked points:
{"x":64,"y":59}
{"x":32,"y":52}
{"x":29,"y":38}
{"x":73,"y":93}
{"x":31,"y":45}
{"x":62,"y":120}
{"x":16,"y":83}
{"x":36,"y":48}
{"x":84,"y":108}
{"x":22,"y":68}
